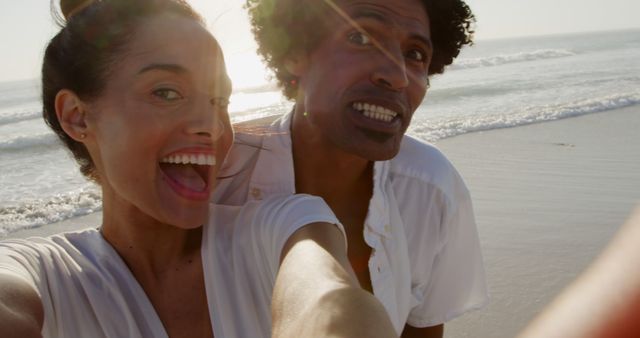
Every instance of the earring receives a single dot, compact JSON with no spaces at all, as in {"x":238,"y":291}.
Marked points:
{"x":83,"y":136}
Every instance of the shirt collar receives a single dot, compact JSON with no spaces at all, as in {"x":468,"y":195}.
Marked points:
{"x":275,"y":175}
{"x":274,"y":169}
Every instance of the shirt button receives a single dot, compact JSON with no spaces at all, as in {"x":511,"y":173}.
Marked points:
{"x":387,"y":228}
{"x":379,"y":269}
{"x":256,"y":193}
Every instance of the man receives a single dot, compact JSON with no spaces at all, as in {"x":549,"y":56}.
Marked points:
{"x":357,"y":70}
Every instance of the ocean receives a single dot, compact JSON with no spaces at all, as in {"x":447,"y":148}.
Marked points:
{"x":494,"y":84}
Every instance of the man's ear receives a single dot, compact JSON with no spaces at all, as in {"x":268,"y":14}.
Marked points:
{"x":70,"y":111}
{"x":296,"y":63}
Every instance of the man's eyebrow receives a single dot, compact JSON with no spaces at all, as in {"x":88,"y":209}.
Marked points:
{"x":426,"y":41}
{"x":169,"y":67}
{"x":375,"y":15}
{"x":367,"y":13}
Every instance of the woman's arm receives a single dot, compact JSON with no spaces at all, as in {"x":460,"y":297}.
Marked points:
{"x":21,"y":312}
{"x":317,"y":294}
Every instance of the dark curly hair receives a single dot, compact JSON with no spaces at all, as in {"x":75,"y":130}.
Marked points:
{"x":93,"y":35}
{"x":281,"y":26}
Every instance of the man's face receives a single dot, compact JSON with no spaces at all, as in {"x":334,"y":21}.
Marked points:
{"x":361,"y":84}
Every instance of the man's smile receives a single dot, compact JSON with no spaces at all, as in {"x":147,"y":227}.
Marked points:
{"x":375,"y":112}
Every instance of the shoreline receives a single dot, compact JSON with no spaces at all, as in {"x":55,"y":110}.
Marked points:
{"x":548,"y":197}
{"x":92,"y":220}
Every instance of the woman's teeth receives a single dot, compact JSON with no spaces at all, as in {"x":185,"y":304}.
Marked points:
{"x":199,"y":159}
{"x":375,"y":112}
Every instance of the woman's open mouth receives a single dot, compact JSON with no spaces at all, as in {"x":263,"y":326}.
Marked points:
{"x":189,"y":173}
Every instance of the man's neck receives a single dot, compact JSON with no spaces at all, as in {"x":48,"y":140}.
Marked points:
{"x":323,"y":169}
{"x":344,"y":181}
{"x":330,"y":177}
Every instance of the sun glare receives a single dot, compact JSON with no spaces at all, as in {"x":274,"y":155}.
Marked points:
{"x":228,"y":22}
{"x":246,"y":70}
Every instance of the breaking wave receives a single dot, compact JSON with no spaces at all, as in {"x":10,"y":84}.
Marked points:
{"x":35,"y":213}
{"x":497,"y":60}
{"x":439,"y":128}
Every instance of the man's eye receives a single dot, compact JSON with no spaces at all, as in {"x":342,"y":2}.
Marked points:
{"x":359,"y":38}
{"x":417,"y":55}
{"x":167,"y":94}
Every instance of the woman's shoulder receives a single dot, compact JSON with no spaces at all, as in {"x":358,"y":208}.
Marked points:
{"x":61,"y":242}
{"x":273,"y":209}
{"x":54,"y":255}
{"x":281,"y":208}
{"x":272,"y":219}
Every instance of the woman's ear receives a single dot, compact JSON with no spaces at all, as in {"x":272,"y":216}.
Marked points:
{"x":70,"y":111}
{"x":296,"y":63}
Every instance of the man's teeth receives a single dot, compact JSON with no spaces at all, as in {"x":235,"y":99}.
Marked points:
{"x":375,"y":112}
{"x":200,"y":159}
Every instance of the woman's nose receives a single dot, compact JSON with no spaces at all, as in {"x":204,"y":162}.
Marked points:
{"x":210,"y":117}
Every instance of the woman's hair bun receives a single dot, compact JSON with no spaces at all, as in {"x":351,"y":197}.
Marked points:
{"x":71,"y":7}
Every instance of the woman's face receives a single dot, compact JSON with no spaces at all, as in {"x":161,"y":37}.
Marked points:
{"x":160,"y":130}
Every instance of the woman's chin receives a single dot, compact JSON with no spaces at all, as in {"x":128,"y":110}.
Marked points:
{"x":179,"y":212}
{"x":188,"y":220}
{"x":191,"y":223}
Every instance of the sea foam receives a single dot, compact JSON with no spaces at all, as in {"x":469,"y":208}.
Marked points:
{"x":496,"y":60}
{"x":34,"y":213}
{"x":22,"y":142}
{"x":18,"y":115}
{"x":438,"y":128}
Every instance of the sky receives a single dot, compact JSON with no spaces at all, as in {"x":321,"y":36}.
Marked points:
{"x":27,"y":25}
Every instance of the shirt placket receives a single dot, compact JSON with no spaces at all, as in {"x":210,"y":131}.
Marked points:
{"x":378,"y":235}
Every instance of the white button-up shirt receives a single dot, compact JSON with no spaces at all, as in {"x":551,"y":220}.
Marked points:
{"x":426,"y":266}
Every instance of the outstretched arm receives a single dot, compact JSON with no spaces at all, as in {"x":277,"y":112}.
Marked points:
{"x":605,"y":300}
{"x":317,"y":294}
{"x":21,"y":312}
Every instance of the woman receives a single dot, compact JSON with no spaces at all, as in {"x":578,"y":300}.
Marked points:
{"x":137,"y":90}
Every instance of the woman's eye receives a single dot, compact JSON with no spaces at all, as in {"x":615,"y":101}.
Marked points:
{"x":359,"y":38}
{"x":220,"y":102}
{"x":417,"y":55}
{"x":167,"y":94}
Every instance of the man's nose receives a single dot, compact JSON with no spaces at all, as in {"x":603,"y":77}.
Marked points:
{"x":391,"y":71}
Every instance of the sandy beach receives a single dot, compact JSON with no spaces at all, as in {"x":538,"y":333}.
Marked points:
{"x":548,"y":197}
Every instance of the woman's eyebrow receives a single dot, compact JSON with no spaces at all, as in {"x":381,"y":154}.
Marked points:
{"x":169,"y":67}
